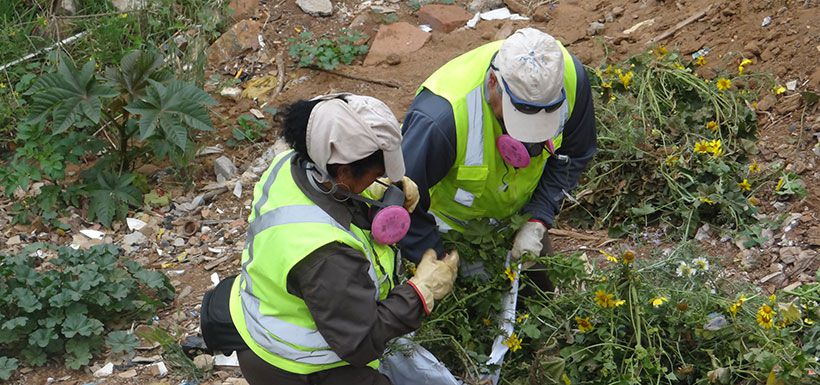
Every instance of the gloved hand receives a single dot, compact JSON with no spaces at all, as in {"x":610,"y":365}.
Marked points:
{"x":434,"y":278}
{"x":411,"y":191}
{"x":528,"y":239}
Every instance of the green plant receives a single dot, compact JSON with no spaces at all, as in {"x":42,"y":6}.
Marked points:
{"x":790,"y":184}
{"x":172,"y":352}
{"x":62,"y":302}
{"x":326,"y":52}
{"x":678,"y":147}
{"x":611,"y":322}
{"x":388,"y":18}
{"x":250,"y":129}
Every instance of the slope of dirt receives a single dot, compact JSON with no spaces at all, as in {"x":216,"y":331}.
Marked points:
{"x":788,"y":48}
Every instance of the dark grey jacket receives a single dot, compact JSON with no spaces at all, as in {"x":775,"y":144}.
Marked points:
{"x":429,"y":147}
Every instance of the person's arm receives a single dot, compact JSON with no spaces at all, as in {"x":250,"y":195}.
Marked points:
{"x":340,"y":295}
{"x":429,"y":147}
{"x":577,"y":148}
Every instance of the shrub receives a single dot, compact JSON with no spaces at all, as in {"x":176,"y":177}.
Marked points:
{"x":63,"y":302}
{"x":326,"y":52}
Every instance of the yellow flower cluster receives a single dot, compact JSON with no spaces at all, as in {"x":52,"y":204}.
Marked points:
{"x":607,"y":300}
{"x":513,"y":342}
{"x":609,"y":257}
{"x":510,"y":273}
{"x":522,"y":318}
{"x":700,"y":61}
{"x":626,"y":78}
{"x":744,"y":185}
{"x":765,"y":316}
{"x":658,"y":301}
{"x":742,"y":66}
{"x":714,"y":147}
{"x":735,"y":307}
{"x":724,"y":84}
{"x":583,"y":324}
{"x":754,"y":167}
{"x":628,"y":256}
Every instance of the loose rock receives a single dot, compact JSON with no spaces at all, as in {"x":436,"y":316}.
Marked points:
{"x":240,"y":39}
{"x":158,"y":369}
{"x":128,"y":374}
{"x":398,"y":38}
{"x":766,"y":103}
{"x":204,"y":362}
{"x":316,"y":7}
{"x":617,"y":11}
{"x":789,"y":254}
{"x":105,"y":371}
{"x":443,"y":18}
{"x":393,"y":59}
{"x":484,"y":5}
{"x":135,"y":238}
{"x":14,"y":241}
{"x":243,"y":9}
{"x":128,"y":5}
{"x":224,"y":169}
{"x":595,"y":28}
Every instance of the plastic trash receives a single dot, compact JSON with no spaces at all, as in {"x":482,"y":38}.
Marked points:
{"x":716,"y":322}
{"x":411,"y":364}
{"x":766,"y":21}
{"x":701,"y":52}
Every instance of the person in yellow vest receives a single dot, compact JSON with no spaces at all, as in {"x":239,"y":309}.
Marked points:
{"x":505,"y":128}
{"x":318,"y":297}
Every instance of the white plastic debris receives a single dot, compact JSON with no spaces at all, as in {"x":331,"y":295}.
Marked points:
{"x":215,"y":279}
{"x":231,"y":92}
{"x":502,"y":14}
{"x":766,"y":21}
{"x":223,"y":360}
{"x":472,"y":22}
{"x":425,"y":28}
{"x":237,"y":189}
{"x":791,"y":85}
{"x":105,"y":371}
{"x":92,"y":234}
{"x":134,"y":224}
{"x":215,"y":250}
{"x":161,"y":370}
{"x":258,"y":114}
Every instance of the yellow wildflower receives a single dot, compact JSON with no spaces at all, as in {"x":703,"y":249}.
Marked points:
{"x":510,"y":274}
{"x":702,"y":147}
{"x":626,"y":79}
{"x":123,"y":15}
{"x":724,"y":84}
{"x":679,"y":66}
{"x":744,"y":185}
{"x":628,"y":256}
{"x":780,"y":184}
{"x":513,"y":342}
{"x":662,"y":51}
{"x":754,"y":167}
{"x":772,"y":298}
{"x":609,"y":257}
{"x":706,"y":200}
{"x":2,"y":85}
{"x":606,"y":84}
{"x":712,"y":125}
{"x":583,"y":324}
{"x":671,"y":160}
{"x":487,"y":322}
{"x":778,"y":90}
{"x":700,"y":61}
{"x":658,"y":301}
{"x":716,"y":147}
{"x":753,"y":201}
{"x":733,"y":309}
{"x":565,"y":379}
{"x":808,"y":321}
{"x":522,"y":317}
{"x":606,"y":300}
{"x":742,"y":66}
{"x":765,"y":316}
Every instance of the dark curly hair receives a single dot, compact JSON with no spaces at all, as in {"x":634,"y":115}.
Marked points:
{"x":295,"y":132}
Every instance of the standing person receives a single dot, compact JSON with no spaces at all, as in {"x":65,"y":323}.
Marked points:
{"x":505,"y":128}
{"x":318,"y":299}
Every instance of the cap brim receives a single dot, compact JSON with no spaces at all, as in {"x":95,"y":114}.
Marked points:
{"x":530,"y":128}
{"x":394,"y":164}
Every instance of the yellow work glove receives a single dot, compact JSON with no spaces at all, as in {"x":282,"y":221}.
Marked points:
{"x":434,"y":278}
{"x":411,"y":191}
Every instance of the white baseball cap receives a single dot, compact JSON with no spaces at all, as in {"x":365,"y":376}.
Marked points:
{"x":531,"y":68}
{"x":344,"y":131}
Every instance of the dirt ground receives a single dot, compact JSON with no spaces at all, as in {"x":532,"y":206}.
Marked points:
{"x":788,"y":48}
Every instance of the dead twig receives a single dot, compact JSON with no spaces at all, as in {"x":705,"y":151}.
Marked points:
{"x":380,"y":82}
{"x":280,"y":69}
{"x":574,"y":234}
{"x":680,"y":25}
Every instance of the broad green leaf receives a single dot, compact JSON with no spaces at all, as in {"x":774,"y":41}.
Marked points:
{"x":121,"y":341}
{"x":78,"y":324}
{"x":42,"y":337}
{"x":78,"y":353}
{"x":14,"y":323}
{"x":27,"y":300}
{"x":152,"y":279}
{"x":8,"y":366}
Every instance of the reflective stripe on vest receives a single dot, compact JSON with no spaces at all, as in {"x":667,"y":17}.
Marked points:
{"x":277,"y":336}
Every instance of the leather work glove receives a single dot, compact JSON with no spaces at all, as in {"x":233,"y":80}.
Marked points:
{"x":434,"y":277}
{"x":411,"y":191}
{"x":528,"y":239}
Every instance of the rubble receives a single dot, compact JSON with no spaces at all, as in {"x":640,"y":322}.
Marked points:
{"x":242,"y":38}
{"x":316,"y":7}
{"x":224,"y":169}
{"x":443,"y":18}
{"x":399,"y":38}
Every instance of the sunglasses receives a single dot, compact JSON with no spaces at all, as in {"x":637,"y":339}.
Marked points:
{"x":526,"y":107}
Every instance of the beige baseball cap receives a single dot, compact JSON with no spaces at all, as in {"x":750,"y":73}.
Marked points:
{"x":344,"y":131}
{"x":531,"y":66}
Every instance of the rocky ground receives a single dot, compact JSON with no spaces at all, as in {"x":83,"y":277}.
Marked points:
{"x":197,"y":237}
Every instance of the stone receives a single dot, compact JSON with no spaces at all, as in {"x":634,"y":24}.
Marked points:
{"x":14,"y":241}
{"x":595,"y":28}
{"x":443,"y":18}
{"x":359,"y":22}
{"x":789,"y":254}
{"x":504,"y":32}
{"x":484,"y":5}
{"x":66,"y":7}
{"x":235,"y":381}
{"x":158,"y":370}
{"x":224,"y":169}
{"x":777,"y":278}
{"x":618,"y":11}
{"x":749,"y":259}
{"x":393,"y":59}
{"x":204,"y":362}
{"x":131,"y":373}
{"x":242,"y":9}
{"x":128,"y":5}
{"x":179,"y":242}
{"x":240,"y":39}
{"x":814,"y":79}
{"x":766,"y":103}
{"x":105,"y":371}
{"x":518,"y":6}
{"x":813,"y":236}
{"x":399,"y":38}
{"x":316,"y":7}
{"x":703,"y":233}
{"x":753,"y":47}
{"x":135,"y":238}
